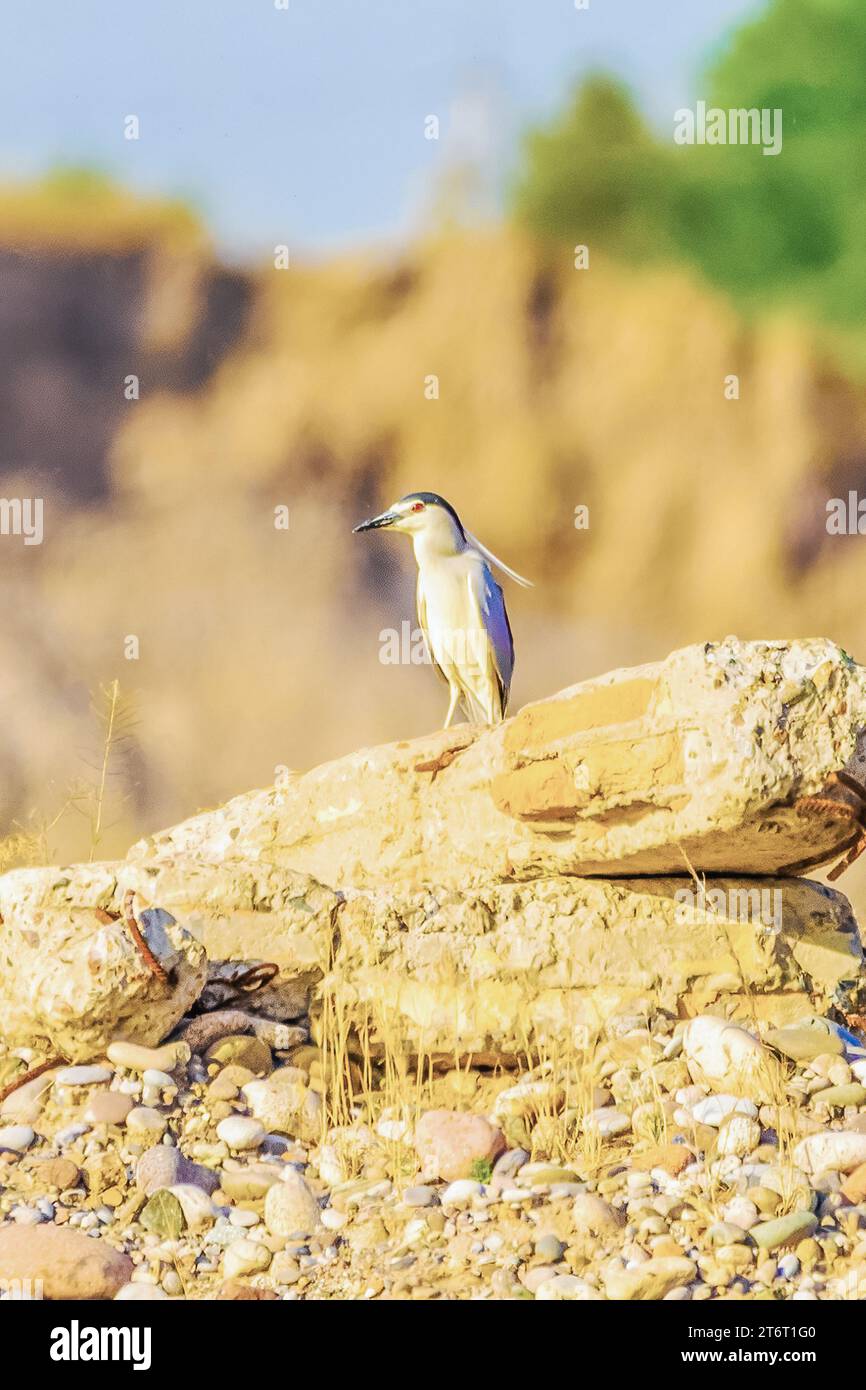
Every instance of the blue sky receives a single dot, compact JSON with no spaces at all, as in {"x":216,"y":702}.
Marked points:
{"x":305,"y":125}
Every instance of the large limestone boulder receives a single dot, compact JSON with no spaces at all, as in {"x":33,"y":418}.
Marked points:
{"x":477,"y":890}
{"x":706,"y":759}
{"x":493,"y":971}
{"x":80,"y":965}
{"x":498,"y":970}
{"x":72,"y":977}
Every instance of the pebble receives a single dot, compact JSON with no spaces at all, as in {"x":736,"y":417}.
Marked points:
{"x":653,"y":1279}
{"x":248,"y":1184}
{"x":243,"y":1051}
{"x":712,"y":1110}
{"x":737,"y":1256}
{"x":463,"y":1192}
{"x":334,"y":1220}
{"x":165,"y":1166}
{"x":280,"y":1036}
{"x":840,"y":1151}
{"x":549,"y":1248}
{"x":537,"y":1275}
{"x":196,"y":1205}
{"x":451,"y":1144}
{"x":854,"y":1186}
{"x":290,"y":1207}
{"x":284,"y":1103}
{"x":607,"y":1122}
{"x":766,"y":1199}
{"x":83,"y":1076}
{"x":837,"y":1097}
{"x":26,"y":1216}
{"x":725,"y":1233}
{"x":64,"y":1137}
{"x":542,"y":1175}
{"x":419,"y":1197}
{"x":200,"y":1032}
{"x":240,"y":1132}
{"x":159,"y":1080}
{"x":509,"y":1163}
{"x":592,"y":1216}
{"x":771,"y":1235}
{"x":223,"y":1234}
{"x":108,"y":1108}
{"x":567,"y":1287}
{"x":730,"y":1060}
{"x":741,"y":1211}
{"x":59,"y":1174}
{"x":246,"y":1257}
{"x":16,"y":1138}
{"x":504,"y":1226}
{"x":27,"y":1103}
{"x":144,"y":1120}
{"x":690,"y":1096}
{"x":803,"y":1044}
{"x":141,"y":1059}
{"x":239,"y":1217}
{"x":738,"y":1136}
{"x":71,"y":1265}
{"x":765,"y":1271}
{"x":140,"y":1293}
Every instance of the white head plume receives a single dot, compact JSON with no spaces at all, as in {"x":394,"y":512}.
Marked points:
{"x":500,"y":564}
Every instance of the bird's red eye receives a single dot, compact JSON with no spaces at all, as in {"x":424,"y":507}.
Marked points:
{"x":417,"y":506}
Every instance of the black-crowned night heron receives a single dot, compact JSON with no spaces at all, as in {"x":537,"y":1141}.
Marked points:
{"x":460,"y":606}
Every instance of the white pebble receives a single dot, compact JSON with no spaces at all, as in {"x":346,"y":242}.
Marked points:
{"x":83,"y":1076}
{"x":462,"y":1192}
{"x":143,"y":1120}
{"x":240,"y":1132}
{"x":16,"y":1137}
{"x":140,"y":1059}
{"x":197,"y":1207}
{"x":742,"y":1212}
{"x":713,"y":1109}
{"x":160,"y":1079}
{"x":607,"y":1122}
{"x":26,"y":1216}
{"x":239,"y":1217}
{"x":140,"y":1293}
{"x":245,"y":1257}
{"x":332,"y":1219}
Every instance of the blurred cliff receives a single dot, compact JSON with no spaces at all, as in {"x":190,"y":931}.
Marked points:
{"x":310,"y":389}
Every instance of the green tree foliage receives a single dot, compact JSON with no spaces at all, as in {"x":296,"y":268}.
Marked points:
{"x":767,"y":229}
{"x":598,"y":172}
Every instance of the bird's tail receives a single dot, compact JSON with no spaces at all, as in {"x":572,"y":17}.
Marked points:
{"x":490,"y":712}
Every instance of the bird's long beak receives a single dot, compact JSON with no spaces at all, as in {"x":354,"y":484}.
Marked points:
{"x":384,"y":519}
